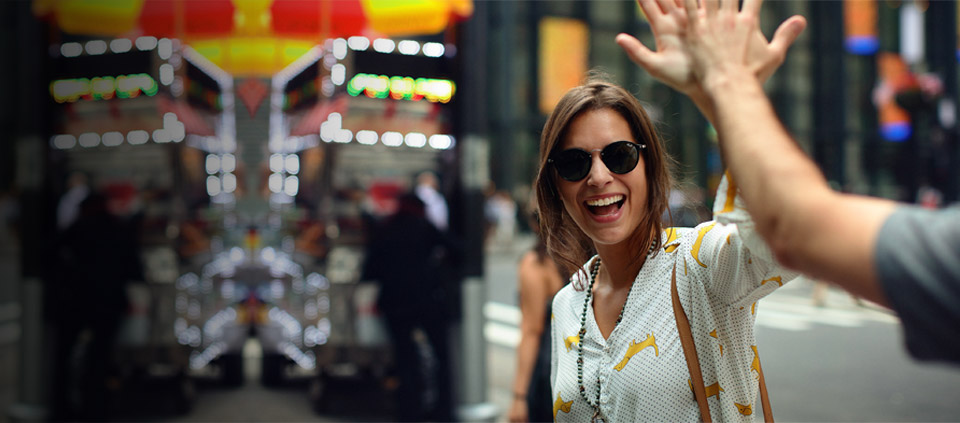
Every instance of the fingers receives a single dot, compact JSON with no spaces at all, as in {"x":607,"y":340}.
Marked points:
{"x":729,"y":5}
{"x":691,"y":6}
{"x":650,"y":9}
{"x":787,"y":33}
{"x":752,"y":7}
{"x":668,"y":6}
{"x":710,"y":6}
{"x":638,"y":52}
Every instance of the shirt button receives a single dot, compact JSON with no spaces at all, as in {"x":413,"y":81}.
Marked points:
{"x":604,"y":399}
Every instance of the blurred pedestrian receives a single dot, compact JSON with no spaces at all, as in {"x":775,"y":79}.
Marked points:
{"x":97,"y":259}
{"x":435,"y":205}
{"x":538,"y":280}
{"x":69,"y":206}
{"x":404,"y":255}
{"x":903,"y":256}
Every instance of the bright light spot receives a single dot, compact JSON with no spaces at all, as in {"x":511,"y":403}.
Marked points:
{"x":408,"y":47}
{"x":121,"y":45}
{"x":343,"y":136}
{"x":291,"y":185}
{"x":336,"y":120}
{"x":415,"y":139}
{"x":164,"y":48}
{"x":166,"y":74}
{"x":213,"y":185}
{"x":89,"y":139}
{"x":146,"y":43}
{"x":96,"y":47}
{"x":367,"y":137}
{"x":276,"y":163}
{"x":392,"y":139}
{"x":358,"y":43}
{"x":71,"y":49}
{"x":276,"y":289}
{"x":137,"y":137}
{"x":327,"y":131}
{"x":229,"y":183}
{"x":268,"y":254}
{"x":433,"y":49}
{"x":338,"y":74}
{"x":236,"y":254}
{"x":441,"y":142}
{"x":64,"y":142}
{"x":339,"y":48}
{"x":213,"y":164}
{"x":228,"y":163}
{"x":161,"y":136}
{"x":384,"y":45}
{"x":292,"y":164}
{"x":112,"y":139}
{"x":178,"y":131}
{"x":169,"y":119}
{"x":275,"y":182}
{"x":176,"y":88}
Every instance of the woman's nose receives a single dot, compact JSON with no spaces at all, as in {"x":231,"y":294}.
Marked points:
{"x":599,"y":174}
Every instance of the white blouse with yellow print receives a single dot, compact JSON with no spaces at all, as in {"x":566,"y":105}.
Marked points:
{"x":723,"y":268}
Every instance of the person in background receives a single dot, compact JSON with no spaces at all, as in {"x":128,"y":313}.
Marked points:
{"x":97,"y":258}
{"x":538,"y":279}
{"x":403,"y":256}
{"x":903,"y":256}
{"x":69,"y":207}
{"x":435,"y":205}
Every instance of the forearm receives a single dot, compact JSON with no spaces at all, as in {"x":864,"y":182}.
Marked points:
{"x":767,"y":165}
{"x":526,"y":358}
{"x":809,"y":227}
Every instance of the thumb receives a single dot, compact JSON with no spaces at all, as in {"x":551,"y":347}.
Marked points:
{"x":787,"y":33}
{"x":638,"y":52}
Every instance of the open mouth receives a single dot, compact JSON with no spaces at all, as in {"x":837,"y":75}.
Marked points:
{"x":605,"y":206}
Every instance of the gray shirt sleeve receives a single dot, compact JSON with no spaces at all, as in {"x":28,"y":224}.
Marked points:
{"x":918,"y":266}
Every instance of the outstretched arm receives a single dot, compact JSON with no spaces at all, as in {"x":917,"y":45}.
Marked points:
{"x":810,"y":228}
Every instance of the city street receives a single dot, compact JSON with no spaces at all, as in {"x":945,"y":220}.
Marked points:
{"x":840,"y":362}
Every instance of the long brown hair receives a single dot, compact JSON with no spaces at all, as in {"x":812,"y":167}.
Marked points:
{"x":566,"y":242}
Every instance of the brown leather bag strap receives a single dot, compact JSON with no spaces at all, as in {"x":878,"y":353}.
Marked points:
{"x":689,"y":350}
{"x":764,"y":399}
{"x":693,"y":362}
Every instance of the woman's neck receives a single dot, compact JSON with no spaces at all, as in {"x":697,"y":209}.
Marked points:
{"x":621,"y":263}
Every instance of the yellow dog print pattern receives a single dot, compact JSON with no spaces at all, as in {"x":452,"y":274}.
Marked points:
{"x":639,"y":373}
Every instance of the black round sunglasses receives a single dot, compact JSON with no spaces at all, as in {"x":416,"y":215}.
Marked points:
{"x":573,"y":164}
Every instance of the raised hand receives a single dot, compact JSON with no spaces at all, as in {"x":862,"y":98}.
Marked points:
{"x":679,"y":25}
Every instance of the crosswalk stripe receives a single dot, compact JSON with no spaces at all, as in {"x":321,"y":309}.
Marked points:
{"x":501,"y":334}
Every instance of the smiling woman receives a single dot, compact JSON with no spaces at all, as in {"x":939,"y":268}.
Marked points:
{"x":616,"y":353}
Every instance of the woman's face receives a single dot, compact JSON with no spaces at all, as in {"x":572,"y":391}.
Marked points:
{"x":606,"y":206}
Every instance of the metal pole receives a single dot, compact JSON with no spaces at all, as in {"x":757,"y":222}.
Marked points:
{"x":31,"y":165}
{"x":473,"y":151}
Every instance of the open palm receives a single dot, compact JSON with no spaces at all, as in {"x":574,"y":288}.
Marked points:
{"x":672,"y":63}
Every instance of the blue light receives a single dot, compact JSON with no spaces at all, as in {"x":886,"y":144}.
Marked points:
{"x":863,"y":45}
{"x":896,"y":132}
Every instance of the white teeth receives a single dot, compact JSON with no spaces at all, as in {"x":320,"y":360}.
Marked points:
{"x":604,"y":201}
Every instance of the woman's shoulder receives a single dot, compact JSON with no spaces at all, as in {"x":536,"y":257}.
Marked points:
{"x":576,"y":285}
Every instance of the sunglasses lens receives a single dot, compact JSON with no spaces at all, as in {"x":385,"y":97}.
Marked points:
{"x":621,"y":157}
{"x":572,"y":165}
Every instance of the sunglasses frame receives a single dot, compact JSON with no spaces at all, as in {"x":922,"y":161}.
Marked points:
{"x":638,"y":147}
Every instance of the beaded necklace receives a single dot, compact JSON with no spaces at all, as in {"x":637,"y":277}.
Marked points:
{"x":582,"y":334}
